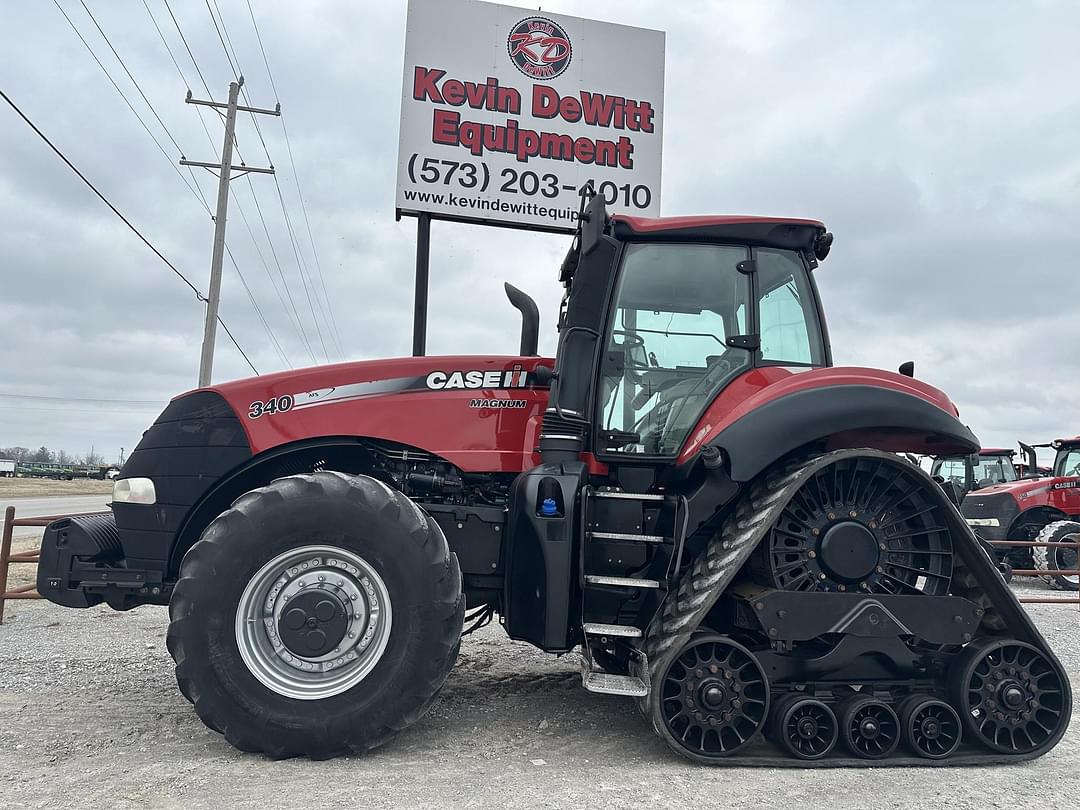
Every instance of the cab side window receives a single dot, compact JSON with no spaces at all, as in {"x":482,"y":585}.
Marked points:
{"x":790,"y":333}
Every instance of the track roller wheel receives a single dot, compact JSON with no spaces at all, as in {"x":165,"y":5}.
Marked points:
{"x":804,"y":727}
{"x":931,"y":727}
{"x":712,"y":700}
{"x":869,"y":727}
{"x":1012,"y":698}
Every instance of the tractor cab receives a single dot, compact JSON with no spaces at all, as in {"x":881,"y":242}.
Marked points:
{"x":660,"y":315}
{"x":1067,"y":458}
{"x":989,"y":467}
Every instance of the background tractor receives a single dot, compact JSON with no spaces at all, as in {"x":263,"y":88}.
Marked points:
{"x":1046,"y":509}
{"x":977,"y":470}
{"x":689,"y":495}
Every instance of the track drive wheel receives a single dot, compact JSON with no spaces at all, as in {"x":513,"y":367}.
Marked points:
{"x":712,"y":700}
{"x":804,"y":727}
{"x":1012,"y":699}
{"x":319,"y":615}
{"x":869,"y":727}
{"x":931,"y":727}
{"x":1059,"y":559}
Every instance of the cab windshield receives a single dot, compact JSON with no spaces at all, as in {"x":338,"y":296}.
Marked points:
{"x":989,"y":471}
{"x":678,"y":334}
{"x":993,"y":470}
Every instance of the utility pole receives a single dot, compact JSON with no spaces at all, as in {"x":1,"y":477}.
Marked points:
{"x":224,"y":170}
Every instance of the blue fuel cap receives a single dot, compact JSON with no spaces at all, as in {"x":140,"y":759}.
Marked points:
{"x":549,"y":508}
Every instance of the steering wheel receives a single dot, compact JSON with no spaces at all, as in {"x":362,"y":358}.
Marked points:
{"x":632,"y":341}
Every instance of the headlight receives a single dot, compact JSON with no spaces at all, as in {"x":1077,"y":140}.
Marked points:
{"x":983,"y":522}
{"x":134,"y":490}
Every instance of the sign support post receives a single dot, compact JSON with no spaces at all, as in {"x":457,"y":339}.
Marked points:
{"x":423,"y":252}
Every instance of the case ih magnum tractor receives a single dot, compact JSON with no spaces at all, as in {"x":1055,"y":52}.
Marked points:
{"x":1035,"y":508}
{"x":690,"y":495}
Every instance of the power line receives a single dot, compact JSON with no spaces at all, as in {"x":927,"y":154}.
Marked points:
{"x":266,"y":268}
{"x":128,"y":72}
{"x":296,"y":179}
{"x":131,"y":107}
{"x":277,"y":263}
{"x":305,"y":274}
{"x":311,"y":241}
{"x":258,"y":309}
{"x":301,"y":267}
{"x":183,"y":39}
{"x":123,"y":219}
{"x":237,"y":345}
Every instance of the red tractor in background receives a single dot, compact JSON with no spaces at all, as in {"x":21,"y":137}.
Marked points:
{"x":1035,"y":508}
{"x":690,"y":495}
{"x":977,"y":470}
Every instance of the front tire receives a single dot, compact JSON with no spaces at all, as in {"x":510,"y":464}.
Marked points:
{"x":1063,"y":559}
{"x":319,"y":615}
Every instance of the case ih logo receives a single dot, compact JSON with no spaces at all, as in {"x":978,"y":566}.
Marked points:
{"x":539,"y":48}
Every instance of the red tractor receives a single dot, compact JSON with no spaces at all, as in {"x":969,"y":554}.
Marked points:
{"x":991,"y":465}
{"x":689,"y":494}
{"x":1046,"y":509}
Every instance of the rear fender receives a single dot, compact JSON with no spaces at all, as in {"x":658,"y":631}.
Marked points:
{"x":836,"y":417}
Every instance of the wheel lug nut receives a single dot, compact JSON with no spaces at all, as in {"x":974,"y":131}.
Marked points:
{"x":815,"y":532}
{"x":728,"y":674}
{"x":853,"y":513}
{"x":713,"y":668}
{"x":700,"y":673}
{"x":812,"y":555}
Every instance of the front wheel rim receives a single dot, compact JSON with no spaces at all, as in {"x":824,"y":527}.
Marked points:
{"x":313,"y":622}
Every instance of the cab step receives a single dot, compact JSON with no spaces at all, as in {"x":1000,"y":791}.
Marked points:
{"x":612,"y":630}
{"x":620,"y":582}
{"x":627,"y":496}
{"x":627,"y":537}
{"x":608,"y":684}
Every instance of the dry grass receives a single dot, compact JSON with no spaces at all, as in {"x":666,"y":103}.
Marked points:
{"x":40,"y":487}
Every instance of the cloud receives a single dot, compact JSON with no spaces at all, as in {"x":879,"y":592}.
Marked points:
{"x":936,"y":140}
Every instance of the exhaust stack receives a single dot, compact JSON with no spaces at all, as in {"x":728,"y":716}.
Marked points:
{"x":530,"y":319}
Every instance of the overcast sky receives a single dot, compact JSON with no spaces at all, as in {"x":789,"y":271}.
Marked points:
{"x":938,"y":141}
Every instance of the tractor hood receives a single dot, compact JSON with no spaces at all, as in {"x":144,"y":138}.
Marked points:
{"x":478,"y":412}
{"x":1025,"y":490}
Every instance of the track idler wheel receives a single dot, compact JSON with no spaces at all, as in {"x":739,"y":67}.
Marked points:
{"x":1012,"y":698}
{"x":712,"y":700}
{"x":869,"y":727}
{"x":804,"y":727}
{"x":931,"y":727}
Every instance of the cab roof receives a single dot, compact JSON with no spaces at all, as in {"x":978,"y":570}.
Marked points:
{"x":778,"y":232}
{"x":997,"y":451}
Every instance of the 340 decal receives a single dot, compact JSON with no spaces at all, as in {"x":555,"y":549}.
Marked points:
{"x":269,"y":407}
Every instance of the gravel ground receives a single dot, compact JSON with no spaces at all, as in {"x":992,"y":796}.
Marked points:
{"x":90,"y":716}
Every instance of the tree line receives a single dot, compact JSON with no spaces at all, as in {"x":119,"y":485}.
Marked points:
{"x":44,"y":455}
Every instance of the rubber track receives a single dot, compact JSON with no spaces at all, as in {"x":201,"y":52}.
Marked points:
{"x":975,"y":577}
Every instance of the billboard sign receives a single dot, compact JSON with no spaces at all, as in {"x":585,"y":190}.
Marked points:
{"x":507,"y":112}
